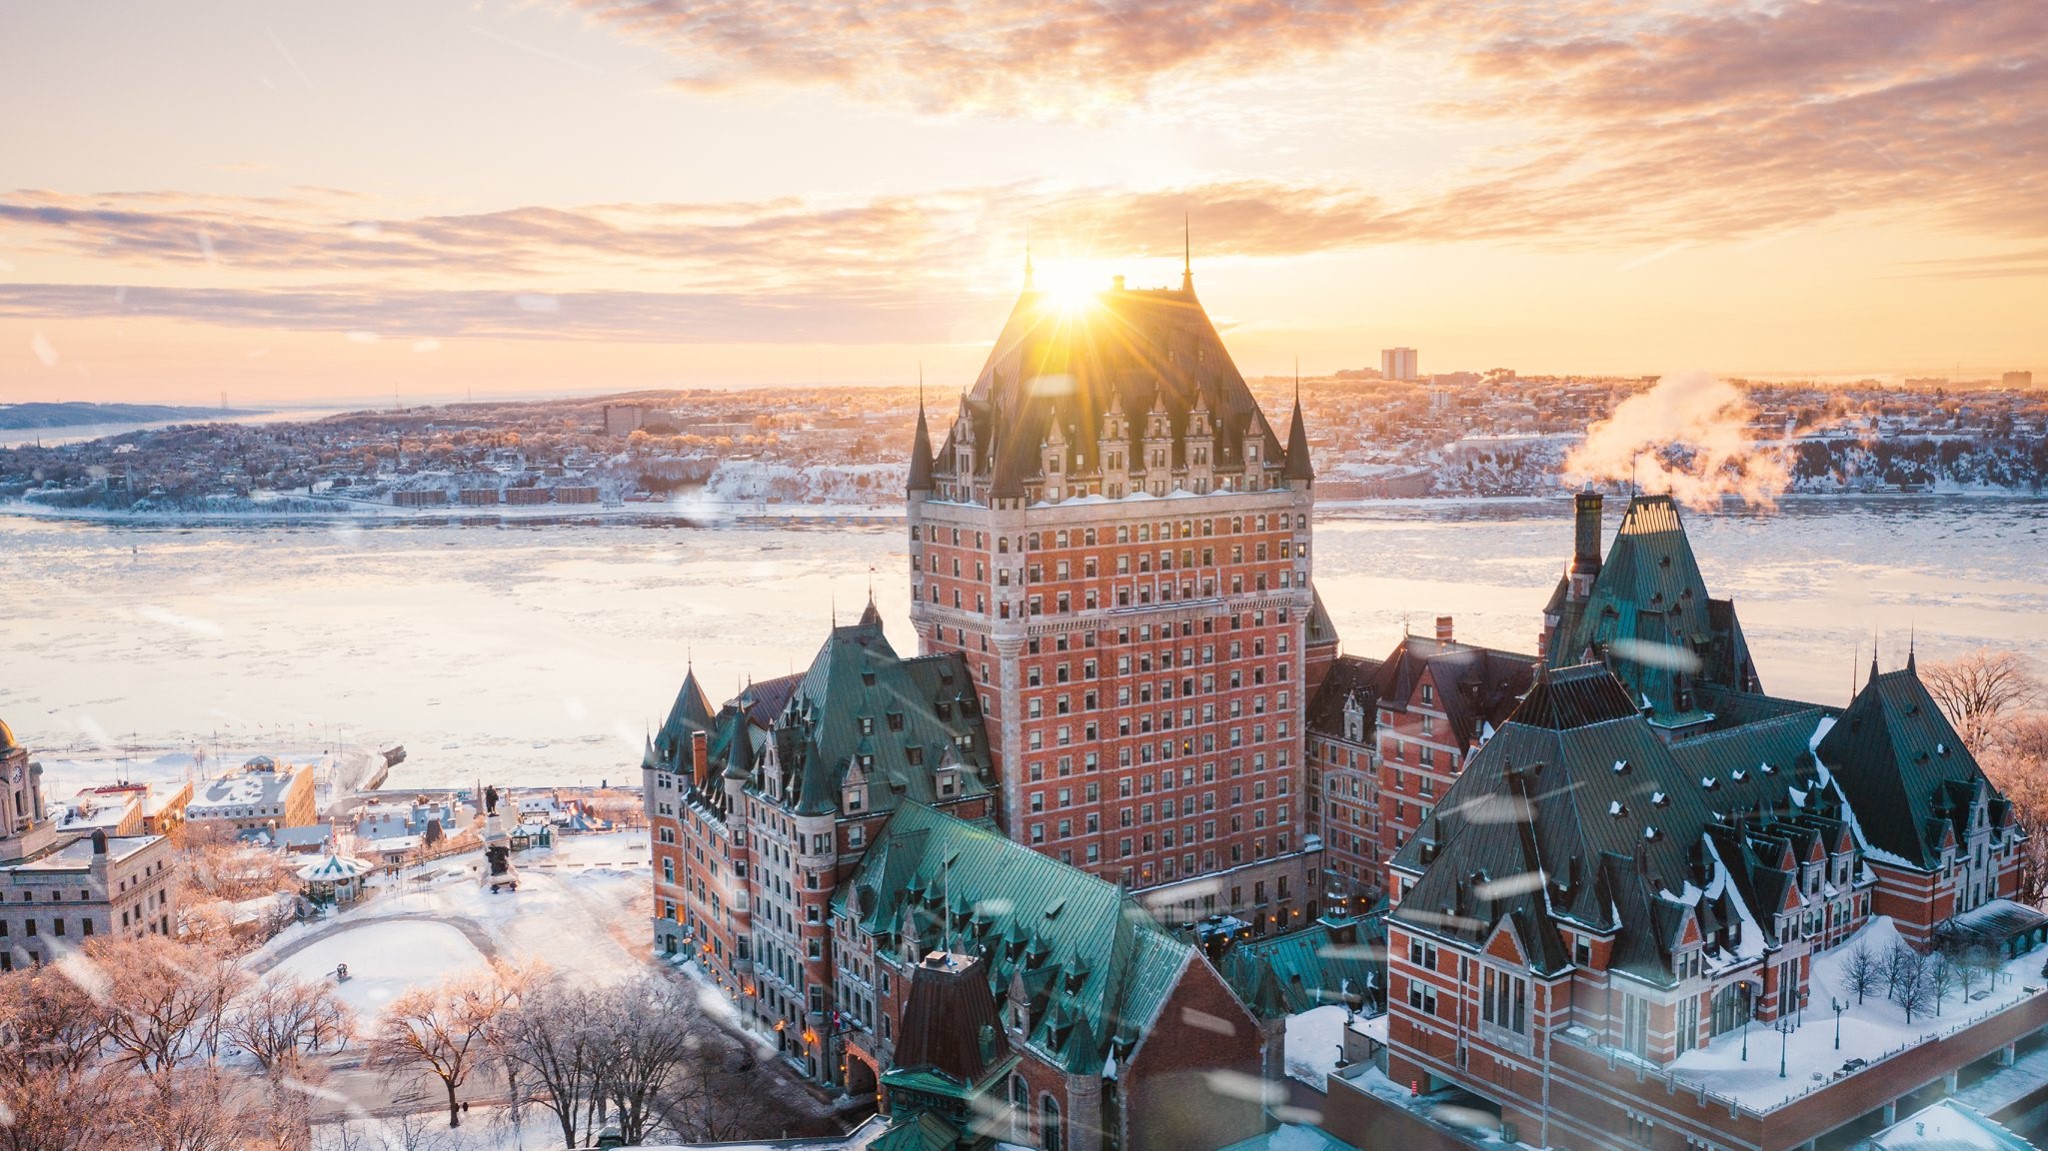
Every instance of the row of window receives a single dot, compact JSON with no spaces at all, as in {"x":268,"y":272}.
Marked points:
{"x":1125,"y":533}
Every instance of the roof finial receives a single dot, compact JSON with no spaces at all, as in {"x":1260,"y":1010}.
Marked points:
{"x":1187,"y":252}
{"x":1912,"y":641}
{"x":1297,"y":381}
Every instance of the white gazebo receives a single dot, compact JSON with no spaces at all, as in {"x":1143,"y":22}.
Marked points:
{"x":334,"y":877}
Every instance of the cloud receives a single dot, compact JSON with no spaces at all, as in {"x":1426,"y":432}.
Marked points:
{"x":733,"y":244}
{"x":427,"y":316}
{"x":1003,"y":56}
{"x":1643,"y":120}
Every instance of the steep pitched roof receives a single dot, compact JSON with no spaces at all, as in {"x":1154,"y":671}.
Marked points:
{"x":1350,"y":678}
{"x":1477,"y":687}
{"x":920,"y":455}
{"x":1903,"y":769}
{"x":1057,"y":372}
{"x":1094,"y":966}
{"x":690,"y":712}
{"x":1648,"y":615}
{"x":921,"y":715}
{"x":950,"y":1024}
{"x":1579,"y":810}
{"x":1299,"y":467}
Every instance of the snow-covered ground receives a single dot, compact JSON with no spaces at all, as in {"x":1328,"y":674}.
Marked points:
{"x":1315,"y":1044}
{"x":575,"y":910}
{"x":1874,"y":1030}
{"x":385,"y":959}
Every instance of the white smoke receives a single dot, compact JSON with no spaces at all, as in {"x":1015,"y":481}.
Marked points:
{"x":1689,"y":436}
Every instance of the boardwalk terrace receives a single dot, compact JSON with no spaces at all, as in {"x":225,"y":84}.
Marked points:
{"x":1115,"y":540}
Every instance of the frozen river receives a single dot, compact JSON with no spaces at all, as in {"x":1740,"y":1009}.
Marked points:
{"x":528,"y":654}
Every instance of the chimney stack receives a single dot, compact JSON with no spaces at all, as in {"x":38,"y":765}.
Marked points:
{"x":1585,"y":544}
{"x":1443,"y":629}
{"x":700,"y":758}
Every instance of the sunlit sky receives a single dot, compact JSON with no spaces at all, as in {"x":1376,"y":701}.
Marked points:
{"x":309,"y":202}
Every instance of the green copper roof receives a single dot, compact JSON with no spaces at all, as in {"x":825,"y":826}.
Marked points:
{"x":865,"y":718}
{"x":1903,"y":768}
{"x":1648,"y":611}
{"x":1092,"y":964}
{"x":1327,"y":962}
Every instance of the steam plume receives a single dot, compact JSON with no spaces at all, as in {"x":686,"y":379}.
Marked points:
{"x":1689,"y":436}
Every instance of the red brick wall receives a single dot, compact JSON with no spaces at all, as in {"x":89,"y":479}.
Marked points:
{"x":1173,"y":1098}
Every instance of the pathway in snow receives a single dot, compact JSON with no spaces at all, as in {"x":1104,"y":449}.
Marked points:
{"x":333,"y":927}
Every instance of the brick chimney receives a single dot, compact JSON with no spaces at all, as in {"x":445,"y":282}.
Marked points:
{"x":700,"y":759}
{"x":1443,"y":629}
{"x":1585,"y":544}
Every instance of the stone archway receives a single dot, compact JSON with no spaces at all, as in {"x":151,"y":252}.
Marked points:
{"x":862,"y":1076}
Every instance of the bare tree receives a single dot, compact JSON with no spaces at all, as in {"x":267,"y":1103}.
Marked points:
{"x":1981,"y":689}
{"x":445,"y":1030}
{"x":1941,"y":976}
{"x":167,"y":1000}
{"x":192,"y":1108}
{"x":1901,"y":969}
{"x":1916,"y":991}
{"x":1863,"y":971}
{"x":2015,"y":759}
{"x":56,"y":1092}
{"x":283,"y":1016}
{"x":648,"y":1053}
{"x":545,"y":1040}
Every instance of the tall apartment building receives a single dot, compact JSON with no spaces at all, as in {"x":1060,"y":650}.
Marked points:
{"x":58,"y":889}
{"x":1116,"y":542}
{"x":1398,"y":363}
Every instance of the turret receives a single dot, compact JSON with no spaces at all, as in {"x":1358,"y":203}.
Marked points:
{"x":1300,"y":471}
{"x":920,"y":457}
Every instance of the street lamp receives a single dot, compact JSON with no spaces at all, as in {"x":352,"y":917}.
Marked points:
{"x":1837,"y":1004}
{"x":1784,"y":1026}
{"x":1747,"y":1011}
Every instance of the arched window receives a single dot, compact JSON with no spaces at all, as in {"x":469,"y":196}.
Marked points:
{"x":1049,"y":1121}
{"x":1020,"y":1109}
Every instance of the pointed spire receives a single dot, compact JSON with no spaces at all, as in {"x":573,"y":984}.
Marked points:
{"x":1298,"y":466}
{"x":1187,"y":253}
{"x":1912,"y":641}
{"x":921,"y":443}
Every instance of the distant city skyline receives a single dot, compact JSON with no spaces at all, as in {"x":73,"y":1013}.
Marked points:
{"x":336,"y":205}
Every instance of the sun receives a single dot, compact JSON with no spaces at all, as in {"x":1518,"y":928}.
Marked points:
{"x":1069,"y":285}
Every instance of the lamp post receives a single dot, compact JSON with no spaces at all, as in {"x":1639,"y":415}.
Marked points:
{"x":1784,"y":1026}
{"x":1837,"y":1004}
{"x":1746,"y":1012}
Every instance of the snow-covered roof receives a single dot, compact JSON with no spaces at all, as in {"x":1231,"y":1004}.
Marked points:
{"x":334,"y":869}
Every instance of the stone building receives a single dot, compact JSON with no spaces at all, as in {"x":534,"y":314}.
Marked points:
{"x":59,"y":889}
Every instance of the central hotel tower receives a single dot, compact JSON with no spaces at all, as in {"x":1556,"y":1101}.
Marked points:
{"x":1117,"y":542}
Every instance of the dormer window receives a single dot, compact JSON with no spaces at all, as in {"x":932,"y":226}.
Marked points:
{"x":1428,"y":694}
{"x":867,"y":725}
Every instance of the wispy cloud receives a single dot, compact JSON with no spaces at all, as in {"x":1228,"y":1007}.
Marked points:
{"x":1668,"y":120}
